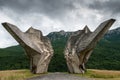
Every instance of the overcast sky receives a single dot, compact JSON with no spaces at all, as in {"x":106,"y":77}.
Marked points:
{"x":55,"y":15}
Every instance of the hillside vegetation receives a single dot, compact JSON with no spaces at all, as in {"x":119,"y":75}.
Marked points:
{"x":106,"y":55}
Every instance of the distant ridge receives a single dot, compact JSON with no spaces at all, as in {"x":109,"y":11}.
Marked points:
{"x":105,"y":56}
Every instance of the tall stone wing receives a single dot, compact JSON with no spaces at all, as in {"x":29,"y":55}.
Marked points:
{"x":37,"y":47}
{"x":81,"y":44}
{"x":91,"y":40}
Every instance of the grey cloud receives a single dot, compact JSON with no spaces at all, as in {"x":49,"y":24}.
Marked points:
{"x":51,"y":8}
{"x":106,"y":6}
{"x":52,"y":15}
{"x":60,"y":8}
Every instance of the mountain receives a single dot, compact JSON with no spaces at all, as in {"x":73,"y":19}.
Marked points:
{"x":106,"y":55}
{"x":58,"y":40}
{"x":53,"y":36}
{"x":13,"y":58}
{"x":107,"y":52}
{"x":113,"y":35}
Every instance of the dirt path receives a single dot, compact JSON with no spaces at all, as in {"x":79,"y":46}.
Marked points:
{"x":58,"y":76}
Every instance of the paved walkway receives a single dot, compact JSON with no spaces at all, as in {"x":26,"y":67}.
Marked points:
{"x":58,"y":76}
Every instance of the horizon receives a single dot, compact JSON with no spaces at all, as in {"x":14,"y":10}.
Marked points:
{"x":46,"y":35}
{"x":55,"y":15}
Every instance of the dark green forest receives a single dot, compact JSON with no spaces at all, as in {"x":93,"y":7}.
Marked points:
{"x":106,"y":55}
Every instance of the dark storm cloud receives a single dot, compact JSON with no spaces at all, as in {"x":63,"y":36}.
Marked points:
{"x":110,"y":6}
{"x":52,"y":15}
{"x":52,"y":8}
{"x":58,"y":8}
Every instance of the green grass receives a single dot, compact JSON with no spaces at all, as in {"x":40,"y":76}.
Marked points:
{"x":16,"y":75}
{"x":91,"y":73}
{"x":101,"y":74}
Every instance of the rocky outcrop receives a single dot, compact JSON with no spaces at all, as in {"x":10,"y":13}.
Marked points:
{"x":53,"y":36}
{"x":81,"y":44}
{"x":37,"y":47}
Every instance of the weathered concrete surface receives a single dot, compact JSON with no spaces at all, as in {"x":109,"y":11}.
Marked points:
{"x":81,"y":44}
{"x":37,"y":47}
{"x":59,"y":76}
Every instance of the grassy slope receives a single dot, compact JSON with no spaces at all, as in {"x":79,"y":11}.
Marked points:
{"x":91,"y":73}
{"x":106,"y":55}
{"x":13,"y":58}
{"x":16,"y":75}
{"x":101,"y":74}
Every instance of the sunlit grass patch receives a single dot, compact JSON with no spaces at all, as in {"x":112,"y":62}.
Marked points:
{"x":105,"y":74}
{"x":16,"y":74}
{"x":91,"y":73}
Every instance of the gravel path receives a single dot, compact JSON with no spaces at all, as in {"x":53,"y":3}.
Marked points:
{"x":58,"y":76}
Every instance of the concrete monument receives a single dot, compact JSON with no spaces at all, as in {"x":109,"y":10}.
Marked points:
{"x":37,"y":47}
{"x":81,"y":44}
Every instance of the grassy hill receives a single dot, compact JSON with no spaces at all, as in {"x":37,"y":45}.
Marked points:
{"x":13,"y":58}
{"x":106,"y":55}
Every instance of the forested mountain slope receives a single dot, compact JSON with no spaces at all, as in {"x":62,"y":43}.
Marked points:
{"x":106,"y":55}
